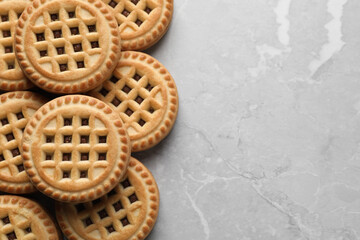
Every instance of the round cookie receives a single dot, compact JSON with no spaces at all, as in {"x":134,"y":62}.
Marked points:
{"x":143,"y":92}
{"x":11,"y":76}
{"x":129,"y":211}
{"x":16,"y":108}
{"x":67,"y":46}
{"x":141,"y":22}
{"x":21,"y":218}
{"x":75,"y":149}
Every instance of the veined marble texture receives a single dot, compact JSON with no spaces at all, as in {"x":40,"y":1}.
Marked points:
{"x":267,"y":141}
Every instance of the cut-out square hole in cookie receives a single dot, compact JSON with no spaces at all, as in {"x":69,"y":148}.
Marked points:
{"x":137,"y":77}
{"x":114,"y":79}
{"x":112,"y":4}
{"x":102,"y":139}
{"x":110,"y":228}
{"x":71,"y":14}
{"x":15,"y":152}
{"x":2,"y":158}
{"x":28,"y":230}
{"x":80,"y":64}
{"x":20,"y":115}
{"x":6,"y":33}
{"x":4,"y":18}
{"x":103,"y":214}
{"x":84,"y":139}
{"x":102,"y":157}
{"x":87,"y":222}
{"x":126,"y":89}
{"x":10,"y":65}
{"x":11,"y":236}
{"x":40,"y":37}
{"x":63,"y":67}
{"x":20,"y":167}
{"x":10,"y":137}
{"x":77,"y":47}
{"x":43,"y":53}
{"x":116,"y":102}
{"x":8,"y":49}
{"x":111,"y":193}
{"x":49,"y":156}
{"x":95,"y":44}
{"x":54,"y":17}
{"x":96,"y":201}
{"x":126,"y":183}
{"x":57,"y":33}
{"x":138,"y":22}
{"x":125,"y":221}
{"x":4,"y":121}
{"x":126,"y":13}
{"x":74,"y":30}
{"x":139,"y":100}
{"x":66,"y":156}
{"x":84,"y":122}
{"x":84,"y":174}
{"x":149,"y":87}
{"x":84,"y":156}
{"x":141,"y":122}
{"x":5,"y":220}
{"x":133,"y":198}
{"x":117,"y":206}
{"x":92,"y":28}
{"x":66,"y":174}
{"x":151,"y":110}
{"x":135,"y":1}
{"x":60,"y":50}
{"x":49,"y":139}
{"x":104,"y":92}
{"x":67,"y":121}
{"x":19,"y":15}
{"x":148,"y":10}
{"x":129,"y":112}
{"x":67,"y":139}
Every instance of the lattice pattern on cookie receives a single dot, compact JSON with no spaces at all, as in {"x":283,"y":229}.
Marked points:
{"x":11,"y":130}
{"x":15,"y":226}
{"x":8,"y":21}
{"x":66,"y":40}
{"x":74,"y":148}
{"x":112,"y":212}
{"x":131,"y":14}
{"x":135,"y":95}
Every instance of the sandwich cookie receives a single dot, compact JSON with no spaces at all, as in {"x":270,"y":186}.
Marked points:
{"x":75,"y":149}
{"x":67,"y":46}
{"x":143,"y":92}
{"x":129,"y":211}
{"x":11,"y":76}
{"x":16,"y":108}
{"x":141,"y":22}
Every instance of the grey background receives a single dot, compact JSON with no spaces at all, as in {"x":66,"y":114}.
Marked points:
{"x":267,"y":140}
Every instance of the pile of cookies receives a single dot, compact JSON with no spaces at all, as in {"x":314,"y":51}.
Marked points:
{"x":80,"y":97}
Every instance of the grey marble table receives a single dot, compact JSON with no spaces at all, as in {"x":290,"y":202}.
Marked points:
{"x":267,"y":140}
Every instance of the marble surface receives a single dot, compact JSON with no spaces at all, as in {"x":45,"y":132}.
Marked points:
{"x":267,"y":140}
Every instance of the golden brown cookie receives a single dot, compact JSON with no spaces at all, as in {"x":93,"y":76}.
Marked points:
{"x":75,"y":148}
{"x":143,"y":92}
{"x":16,"y":108}
{"x":129,"y":211}
{"x":21,"y":218}
{"x":67,"y":46}
{"x":141,"y":22}
{"x":11,"y":76}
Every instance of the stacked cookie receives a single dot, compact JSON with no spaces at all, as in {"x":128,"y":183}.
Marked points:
{"x":76,"y":148}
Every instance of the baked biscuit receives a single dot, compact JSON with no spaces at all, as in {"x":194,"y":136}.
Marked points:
{"x":143,"y":92}
{"x":22,"y":218}
{"x":129,"y":211}
{"x":67,"y":46}
{"x":11,"y":76}
{"x":141,"y":22}
{"x":75,"y":149}
{"x":16,"y":108}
